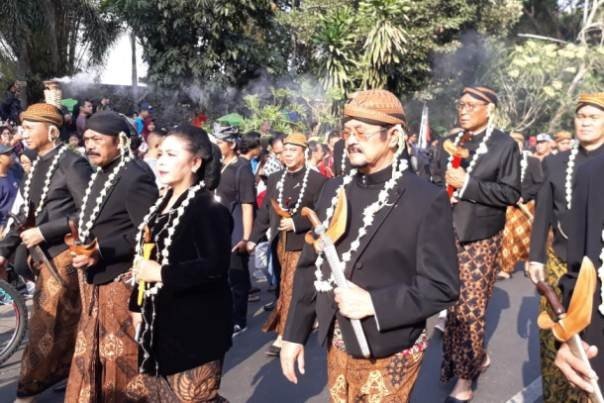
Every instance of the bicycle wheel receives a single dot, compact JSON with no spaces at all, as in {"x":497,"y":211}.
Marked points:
{"x":13,"y":320}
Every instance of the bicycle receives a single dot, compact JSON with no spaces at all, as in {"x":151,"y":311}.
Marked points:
{"x":13,"y":319}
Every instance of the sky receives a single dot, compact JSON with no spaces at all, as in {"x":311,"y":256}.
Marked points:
{"x":118,"y":67}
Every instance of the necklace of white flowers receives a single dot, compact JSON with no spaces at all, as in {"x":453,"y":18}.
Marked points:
{"x":49,"y":174}
{"x":568,"y":183}
{"x":482,"y":149}
{"x":523,"y":165}
{"x":84,"y":227}
{"x":399,"y":166}
{"x":300,"y":195}
{"x":601,"y":275}
{"x":164,"y":255}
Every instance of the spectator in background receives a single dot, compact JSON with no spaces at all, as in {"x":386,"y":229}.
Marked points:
{"x":141,"y":122}
{"x":104,"y":105}
{"x":274,"y":162}
{"x":564,"y":140}
{"x":11,"y":108}
{"x":544,"y":146}
{"x":75,"y":144}
{"x":316,"y":158}
{"x":9,"y":184}
{"x":84,"y":111}
{"x":6,"y":136}
{"x":154,"y":140}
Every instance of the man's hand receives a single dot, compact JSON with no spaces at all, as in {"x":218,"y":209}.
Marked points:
{"x":291,"y":353}
{"x":286,"y":224}
{"x":354,"y":302}
{"x":574,"y":369}
{"x":32,"y":237}
{"x":83,"y":261}
{"x":455,"y":177}
{"x":536,"y":272}
{"x":240,"y":247}
{"x":148,"y":271}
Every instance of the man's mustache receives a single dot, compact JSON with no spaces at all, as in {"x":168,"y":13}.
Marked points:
{"x":352,"y":149}
{"x":92,"y":154}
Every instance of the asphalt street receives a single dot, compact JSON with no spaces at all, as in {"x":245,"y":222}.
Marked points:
{"x":251,"y":376}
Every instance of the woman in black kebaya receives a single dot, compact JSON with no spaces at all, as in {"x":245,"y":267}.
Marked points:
{"x":185,"y":300}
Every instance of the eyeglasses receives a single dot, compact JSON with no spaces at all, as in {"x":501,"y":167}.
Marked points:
{"x":460,"y":106}
{"x":360,"y":134}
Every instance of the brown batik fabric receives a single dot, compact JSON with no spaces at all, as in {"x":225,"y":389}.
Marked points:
{"x":278,"y":317}
{"x":463,"y":341}
{"x":555,"y":386}
{"x":106,"y":355}
{"x":516,"y":237}
{"x":52,"y":328}
{"x":379,"y":380}
{"x":200,"y":384}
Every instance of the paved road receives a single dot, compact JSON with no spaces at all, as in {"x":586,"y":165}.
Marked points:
{"x":250,"y":376}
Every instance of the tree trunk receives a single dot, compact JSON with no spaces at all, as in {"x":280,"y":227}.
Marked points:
{"x":134,"y":72}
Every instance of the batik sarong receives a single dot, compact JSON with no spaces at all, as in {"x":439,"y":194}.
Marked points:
{"x":389,"y":379}
{"x":106,"y":355}
{"x":463,"y":342}
{"x":52,"y":328}
{"x":195,"y":385}
{"x":278,"y":317}
{"x":516,"y":237}
{"x":555,"y":386}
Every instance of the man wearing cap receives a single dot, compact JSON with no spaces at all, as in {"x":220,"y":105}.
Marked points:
{"x":548,"y":261}
{"x":399,"y":259}
{"x":485,"y":184}
{"x":519,"y":218}
{"x":52,"y":193}
{"x":117,"y":197}
{"x":543,"y":148}
{"x":564,"y":140}
{"x":291,"y":189}
{"x":237,"y":192}
{"x":586,"y":239}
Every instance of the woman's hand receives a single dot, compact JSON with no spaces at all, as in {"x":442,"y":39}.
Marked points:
{"x":148,"y":271}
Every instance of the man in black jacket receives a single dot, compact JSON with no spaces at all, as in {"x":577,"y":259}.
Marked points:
{"x":586,"y":238}
{"x":548,"y":262}
{"x":52,"y":193}
{"x":292,"y":189}
{"x":486,"y":183}
{"x":117,"y":198}
{"x":519,"y":218}
{"x":400,"y":261}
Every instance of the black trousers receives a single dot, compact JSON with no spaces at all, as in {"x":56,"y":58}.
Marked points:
{"x":239,"y":280}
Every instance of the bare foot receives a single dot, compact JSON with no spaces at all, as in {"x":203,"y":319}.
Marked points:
{"x":462,"y":389}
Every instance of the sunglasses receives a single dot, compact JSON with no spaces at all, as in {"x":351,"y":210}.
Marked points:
{"x":360,"y":134}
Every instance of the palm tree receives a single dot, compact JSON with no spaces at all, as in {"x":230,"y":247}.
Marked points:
{"x":49,"y":38}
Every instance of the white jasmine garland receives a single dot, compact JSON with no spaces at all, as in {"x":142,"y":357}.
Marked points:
{"x":398,"y":168}
{"x":49,"y":174}
{"x":164,"y":256}
{"x":568,"y":183}
{"x":84,"y":228}
{"x":300,"y":195}
{"x":601,"y":276}
{"x":343,"y":162}
{"x":482,"y":149}
{"x":523,"y":165}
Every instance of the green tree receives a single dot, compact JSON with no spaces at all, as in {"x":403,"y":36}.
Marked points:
{"x":203,"y":41}
{"x":42,"y":39}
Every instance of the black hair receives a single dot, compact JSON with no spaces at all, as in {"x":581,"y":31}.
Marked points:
{"x":313,"y":145}
{"x":333,"y":134}
{"x":198,"y":143}
{"x":277,"y":137}
{"x":249,"y":141}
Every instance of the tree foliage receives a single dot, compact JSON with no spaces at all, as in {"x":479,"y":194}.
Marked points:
{"x":41,"y":39}
{"x":185,"y":41}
